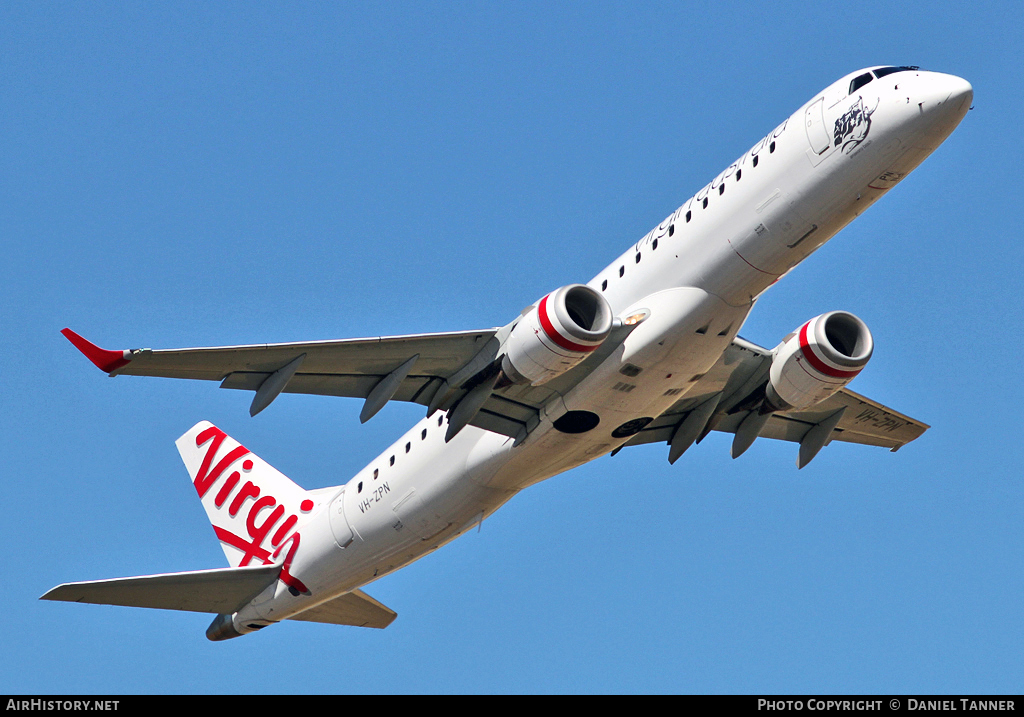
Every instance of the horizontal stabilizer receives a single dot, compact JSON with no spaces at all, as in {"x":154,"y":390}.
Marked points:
{"x":224,"y":590}
{"x":355,"y":608}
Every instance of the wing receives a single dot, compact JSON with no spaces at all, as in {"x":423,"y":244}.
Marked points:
{"x":347,"y":367}
{"x":726,"y":399}
{"x":440,"y":370}
{"x":434,"y":370}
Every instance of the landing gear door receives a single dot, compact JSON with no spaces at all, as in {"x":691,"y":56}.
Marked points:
{"x":814,"y":123}
{"x":339,"y":523}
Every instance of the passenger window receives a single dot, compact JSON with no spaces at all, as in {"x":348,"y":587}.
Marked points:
{"x":604,"y":285}
{"x":638,"y":257}
{"x":739,"y":173}
{"x":440,"y":419}
{"x":654,"y":244}
{"x":376,"y":472}
{"x":857,"y":82}
{"x":771,"y":148}
{"x":407,"y":447}
{"x":705,"y":202}
{"x":622,"y":270}
{"x":423,"y":436}
{"x":671,"y":231}
{"x":721,"y":189}
{"x":755,"y":160}
{"x":688,"y":214}
{"x":392,"y":460}
{"x":359,"y":488}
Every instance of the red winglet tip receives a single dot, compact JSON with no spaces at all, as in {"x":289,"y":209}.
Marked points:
{"x":104,"y":360}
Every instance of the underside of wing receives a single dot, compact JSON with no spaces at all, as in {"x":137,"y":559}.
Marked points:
{"x":865,"y":421}
{"x":438,"y":371}
{"x":346,"y":367}
{"x":727,"y":399}
{"x":338,"y":368}
{"x":457,"y":373}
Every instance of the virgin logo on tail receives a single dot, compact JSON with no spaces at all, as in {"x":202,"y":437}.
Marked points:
{"x":247,"y":501}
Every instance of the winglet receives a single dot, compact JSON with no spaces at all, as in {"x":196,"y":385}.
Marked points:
{"x":104,"y":360}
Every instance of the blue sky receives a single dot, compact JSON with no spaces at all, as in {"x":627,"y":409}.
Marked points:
{"x":192,"y":174}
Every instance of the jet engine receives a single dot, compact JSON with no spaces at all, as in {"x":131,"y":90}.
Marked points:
{"x":817,"y":360}
{"x":556,"y":334}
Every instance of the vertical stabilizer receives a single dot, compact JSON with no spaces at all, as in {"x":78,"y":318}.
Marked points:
{"x":256,"y":511}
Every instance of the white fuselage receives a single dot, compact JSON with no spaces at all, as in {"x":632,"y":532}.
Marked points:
{"x":696,"y":275}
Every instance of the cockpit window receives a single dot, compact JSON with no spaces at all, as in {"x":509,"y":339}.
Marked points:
{"x":883,"y":71}
{"x":857,"y":82}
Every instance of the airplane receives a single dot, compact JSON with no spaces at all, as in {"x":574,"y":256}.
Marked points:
{"x":645,"y":352}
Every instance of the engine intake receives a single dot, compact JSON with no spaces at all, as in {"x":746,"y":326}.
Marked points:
{"x":561,"y":330}
{"x":817,"y":360}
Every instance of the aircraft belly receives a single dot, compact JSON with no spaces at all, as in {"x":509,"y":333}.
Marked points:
{"x":391,"y":514}
{"x":768,"y":246}
{"x":439,"y":490}
{"x":330,"y":571}
{"x":685,"y":334}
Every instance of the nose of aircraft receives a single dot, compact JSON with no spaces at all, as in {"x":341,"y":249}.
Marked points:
{"x":960,"y":89}
{"x":942,"y":101}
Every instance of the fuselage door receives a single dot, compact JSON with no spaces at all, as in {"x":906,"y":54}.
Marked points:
{"x":339,"y":523}
{"x":814,"y":123}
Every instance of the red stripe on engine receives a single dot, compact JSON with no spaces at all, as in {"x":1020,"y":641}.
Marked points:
{"x":549,"y":329}
{"x":816,"y":362}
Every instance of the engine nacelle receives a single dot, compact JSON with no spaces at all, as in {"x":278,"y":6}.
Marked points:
{"x":817,"y":360}
{"x":556,"y":334}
